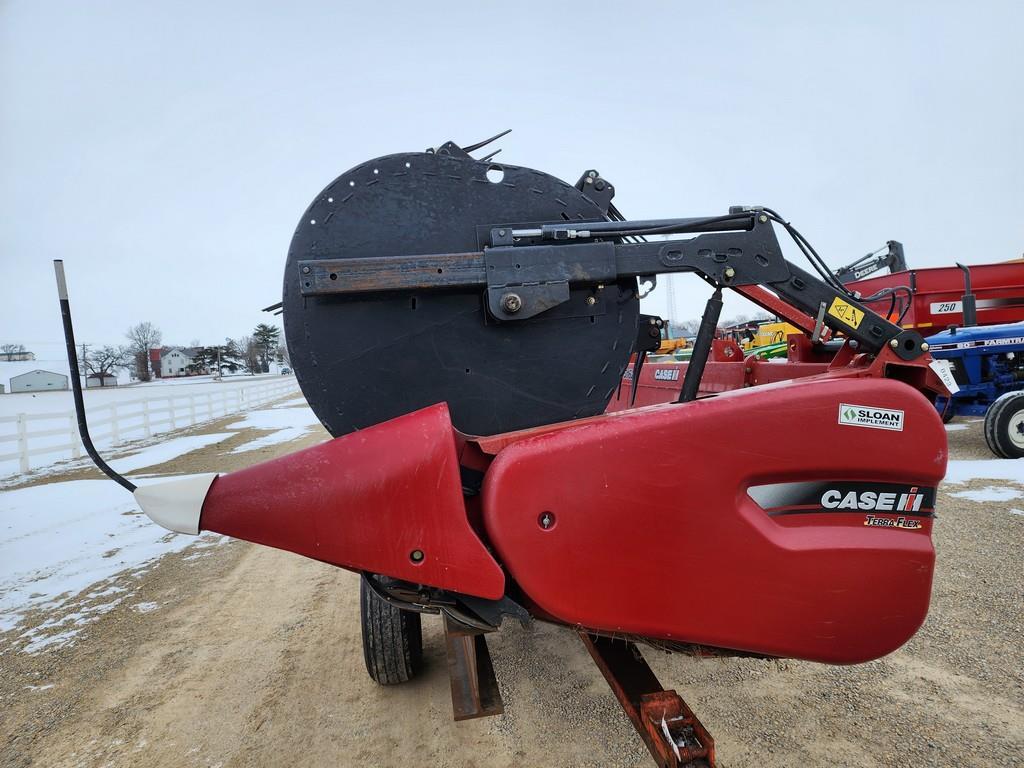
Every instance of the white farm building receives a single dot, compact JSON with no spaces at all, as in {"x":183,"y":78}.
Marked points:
{"x":38,"y":381}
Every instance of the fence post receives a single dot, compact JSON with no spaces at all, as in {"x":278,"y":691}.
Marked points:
{"x":76,"y":444}
{"x":115,"y":433}
{"x":147,"y":430}
{"x":22,"y":443}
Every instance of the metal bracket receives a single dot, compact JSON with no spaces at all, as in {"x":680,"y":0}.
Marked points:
{"x":598,"y":189}
{"x":672,"y":733}
{"x":474,"y":688}
{"x":523,"y":282}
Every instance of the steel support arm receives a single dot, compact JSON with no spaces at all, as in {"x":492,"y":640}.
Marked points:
{"x":530,"y":275}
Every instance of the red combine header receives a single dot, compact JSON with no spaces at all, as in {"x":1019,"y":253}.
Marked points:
{"x":462,"y":328}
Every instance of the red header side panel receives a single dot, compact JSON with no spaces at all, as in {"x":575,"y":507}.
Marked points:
{"x":365,"y":501}
{"x":653,"y":530}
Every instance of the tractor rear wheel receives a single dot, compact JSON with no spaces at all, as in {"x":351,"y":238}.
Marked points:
{"x":392,"y":639}
{"x":1004,"y":426}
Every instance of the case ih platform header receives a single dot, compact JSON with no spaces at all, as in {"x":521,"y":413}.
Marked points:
{"x":460,"y":328}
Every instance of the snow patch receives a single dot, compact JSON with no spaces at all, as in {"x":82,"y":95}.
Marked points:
{"x":991,"y":493}
{"x":62,"y":546}
{"x":287,"y":424}
{"x":962,"y":470}
{"x":955,"y":427}
{"x":292,"y":403}
{"x":165,"y":450}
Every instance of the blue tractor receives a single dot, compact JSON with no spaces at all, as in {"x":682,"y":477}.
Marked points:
{"x":988,"y":365}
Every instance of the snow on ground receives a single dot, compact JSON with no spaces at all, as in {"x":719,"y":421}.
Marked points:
{"x":287,"y":423}
{"x":60,"y":539}
{"x":68,"y":547}
{"x":165,"y":450}
{"x":959,"y":471}
{"x":300,"y":400}
{"x":962,"y":470}
{"x":955,"y":427}
{"x":991,"y":493}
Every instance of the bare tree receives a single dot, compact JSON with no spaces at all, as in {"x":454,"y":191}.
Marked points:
{"x":249,"y":352}
{"x":106,"y":361}
{"x":142,"y":338}
{"x":11,"y":351}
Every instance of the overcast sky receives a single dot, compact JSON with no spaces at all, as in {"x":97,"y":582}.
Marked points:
{"x":167,"y":150}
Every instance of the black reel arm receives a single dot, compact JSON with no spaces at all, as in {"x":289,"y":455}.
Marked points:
{"x":528,"y":270}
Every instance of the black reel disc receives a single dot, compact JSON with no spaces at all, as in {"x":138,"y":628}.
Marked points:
{"x":363,"y":359}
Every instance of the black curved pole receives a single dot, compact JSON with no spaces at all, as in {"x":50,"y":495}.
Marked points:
{"x":76,"y":385}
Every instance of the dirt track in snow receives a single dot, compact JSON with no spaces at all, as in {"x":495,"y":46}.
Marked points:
{"x":253,"y":658}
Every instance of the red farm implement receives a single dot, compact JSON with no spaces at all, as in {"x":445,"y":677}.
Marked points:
{"x":462,"y":328}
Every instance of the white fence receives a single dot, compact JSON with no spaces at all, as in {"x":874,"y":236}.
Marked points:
{"x":56,"y":434}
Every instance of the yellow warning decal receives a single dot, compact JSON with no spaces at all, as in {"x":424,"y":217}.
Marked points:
{"x":846,"y":312}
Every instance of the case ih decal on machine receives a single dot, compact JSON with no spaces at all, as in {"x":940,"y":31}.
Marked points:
{"x":817,"y":497}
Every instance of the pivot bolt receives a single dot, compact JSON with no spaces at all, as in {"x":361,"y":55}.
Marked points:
{"x":501,"y":233}
{"x":762,"y":218}
{"x":511,"y":303}
{"x":591,"y":301}
{"x":305,"y":270}
{"x":924,"y":346}
{"x":730,"y":273}
{"x":893,"y":343}
{"x":546,"y":520}
{"x":416,"y":555}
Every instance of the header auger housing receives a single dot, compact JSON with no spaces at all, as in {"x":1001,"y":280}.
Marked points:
{"x":460,"y":327}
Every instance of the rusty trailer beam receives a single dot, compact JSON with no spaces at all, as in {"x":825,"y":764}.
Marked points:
{"x":474,"y":687}
{"x":672,"y":733}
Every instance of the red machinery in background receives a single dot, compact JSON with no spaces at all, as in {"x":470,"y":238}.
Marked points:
{"x":992,"y":294}
{"x":461,"y":329}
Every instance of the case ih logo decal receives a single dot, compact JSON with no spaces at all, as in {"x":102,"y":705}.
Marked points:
{"x":904,"y":502}
{"x":666,"y":374}
{"x":869,"y":416}
{"x":880,"y":502}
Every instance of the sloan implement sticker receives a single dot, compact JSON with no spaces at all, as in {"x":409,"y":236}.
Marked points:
{"x":849,"y":314}
{"x":868,"y":416}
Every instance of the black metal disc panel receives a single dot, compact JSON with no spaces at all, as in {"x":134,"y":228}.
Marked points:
{"x":367,"y":358}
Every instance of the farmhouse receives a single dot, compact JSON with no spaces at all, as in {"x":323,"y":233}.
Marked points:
{"x":38,"y":381}
{"x":169,"y":362}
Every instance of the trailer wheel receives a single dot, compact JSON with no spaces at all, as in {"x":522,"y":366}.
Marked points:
{"x":392,"y":639}
{"x":1004,"y":426}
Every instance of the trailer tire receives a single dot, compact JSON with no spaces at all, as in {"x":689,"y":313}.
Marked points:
{"x":392,"y":639}
{"x":1004,"y":426}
